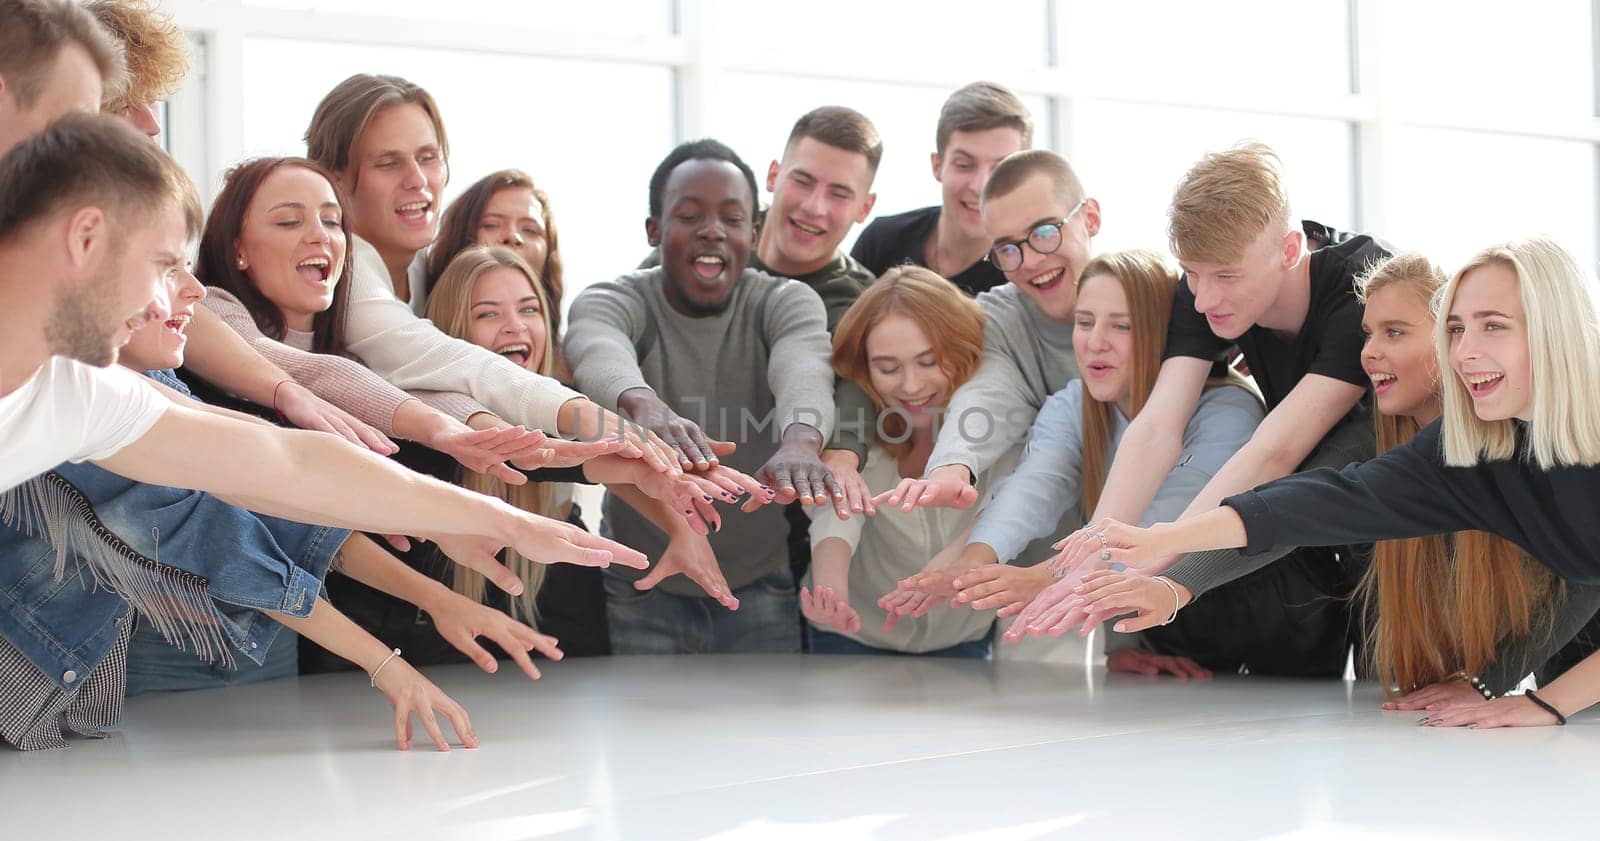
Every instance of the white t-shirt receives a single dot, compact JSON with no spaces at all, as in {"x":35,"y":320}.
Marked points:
{"x":70,"y":411}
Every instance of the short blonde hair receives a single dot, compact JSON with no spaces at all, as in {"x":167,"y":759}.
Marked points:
{"x":154,"y":45}
{"x":1226,"y":200}
{"x":1563,"y":330}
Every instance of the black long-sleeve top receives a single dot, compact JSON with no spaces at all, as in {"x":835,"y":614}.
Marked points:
{"x":1554,"y":515}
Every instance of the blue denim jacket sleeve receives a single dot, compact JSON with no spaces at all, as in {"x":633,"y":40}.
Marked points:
{"x":201,"y":569}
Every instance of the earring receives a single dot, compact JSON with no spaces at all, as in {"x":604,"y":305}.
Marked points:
{"x":241,"y":264}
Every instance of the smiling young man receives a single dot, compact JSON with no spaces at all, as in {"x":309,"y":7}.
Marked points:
{"x":1040,"y":222}
{"x":701,"y":342}
{"x":979,"y":126}
{"x":821,"y":188}
{"x":1252,"y":280}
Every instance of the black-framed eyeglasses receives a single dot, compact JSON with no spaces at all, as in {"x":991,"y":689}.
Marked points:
{"x":1045,"y":238}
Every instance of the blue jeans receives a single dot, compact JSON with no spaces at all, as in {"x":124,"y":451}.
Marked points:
{"x":156,"y":666}
{"x":828,"y":642}
{"x":657,"y":622}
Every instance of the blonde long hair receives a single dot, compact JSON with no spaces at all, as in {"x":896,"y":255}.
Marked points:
{"x":1439,"y":605}
{"x":1558,"y":299}
{"x":450,"y":309}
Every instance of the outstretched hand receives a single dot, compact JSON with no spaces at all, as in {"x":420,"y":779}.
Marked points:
{"x":1153,"y":600}
{"x":1436,"y":696}
{"x":683,"y":438}
{"x":1003,"y":588}
{"x":796,"y":472}
{"x":830,"y":609}
{"x":857,"y":499}
{"x":945,"y":487}
{"x":460,"y":621}
{"x":412,"y":694}
{"x":691,"y":556}
{"x":301,"y":407}
{"x":1056,"y":608}
{"x":1510,"y":711}
{"x":487,"y":450}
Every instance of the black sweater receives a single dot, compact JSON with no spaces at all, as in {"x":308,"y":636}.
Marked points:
{"x":1554,"y":515}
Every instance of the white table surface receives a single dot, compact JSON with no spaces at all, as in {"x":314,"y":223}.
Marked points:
{"x":798,"y":747}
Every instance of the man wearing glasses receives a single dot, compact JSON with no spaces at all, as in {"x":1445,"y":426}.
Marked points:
{"x":1039,"y":221}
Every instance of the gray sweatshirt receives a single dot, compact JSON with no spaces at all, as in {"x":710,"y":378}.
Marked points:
{"x":1026,"y":358}
{"x":744,"y":375}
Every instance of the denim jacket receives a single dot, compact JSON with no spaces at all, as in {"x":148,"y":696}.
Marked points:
{"x":81,"y":546}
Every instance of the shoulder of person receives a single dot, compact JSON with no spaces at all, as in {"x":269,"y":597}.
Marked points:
{"x":1345,"y":255}
{"x":893,"y":223}
{"x":633,"y":284}
{"x":88,"y":381}
{"x":855,"y":273}
{"x":785,"y":288}
{"x":218,"y":295}
{"x":1000,"y":300}
{"x":1068,"y":398}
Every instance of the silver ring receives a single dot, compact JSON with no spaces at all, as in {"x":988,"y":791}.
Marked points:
{"x":1102,"y":536}
{"x":1105,"y":554}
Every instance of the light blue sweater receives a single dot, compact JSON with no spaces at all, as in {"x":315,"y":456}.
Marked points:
{"x":1048,"y":482}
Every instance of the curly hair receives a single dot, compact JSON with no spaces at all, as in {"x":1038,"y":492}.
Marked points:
{"x":155,"y":46}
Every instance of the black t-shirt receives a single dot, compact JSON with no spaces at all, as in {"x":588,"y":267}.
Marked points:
{"x":1329,"y":343}
{"x":902,"y":238}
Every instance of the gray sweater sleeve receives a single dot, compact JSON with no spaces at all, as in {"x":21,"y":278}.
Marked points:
{"x":991,"y":412}
{"x":796,"y":326}
{"x":607,"y":318}
{"x":1516,"y":658}
{"x":1030,"y":501}
{"x":856,"y":421}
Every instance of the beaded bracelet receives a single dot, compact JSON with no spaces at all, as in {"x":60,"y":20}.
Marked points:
{"x":1483,"y":688}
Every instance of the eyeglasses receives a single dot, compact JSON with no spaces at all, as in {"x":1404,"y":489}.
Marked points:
{"x":1044,"y":239}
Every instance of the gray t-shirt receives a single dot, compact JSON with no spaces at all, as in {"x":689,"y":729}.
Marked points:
{"x":744,"y":375}
{"x":1026,"y":358}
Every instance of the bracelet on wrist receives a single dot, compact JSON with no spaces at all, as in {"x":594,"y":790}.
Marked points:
{"x":1548,"y":707}
{"x":393,"y":654}
{"x":1176,"y":599}
{"x":1481,"y":687}
{"x":275,"y":390}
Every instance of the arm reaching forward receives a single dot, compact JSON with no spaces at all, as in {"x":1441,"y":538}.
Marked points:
{"x":320,"y":479}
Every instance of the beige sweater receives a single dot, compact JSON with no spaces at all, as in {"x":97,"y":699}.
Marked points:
{"x":411,"y":353}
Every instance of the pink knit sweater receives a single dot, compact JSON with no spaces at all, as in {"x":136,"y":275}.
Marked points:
{"x":339,"y":380}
